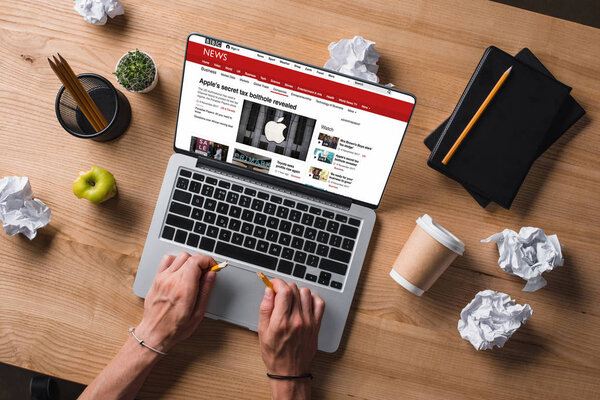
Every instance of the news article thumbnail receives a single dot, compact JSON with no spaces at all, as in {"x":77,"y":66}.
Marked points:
{"x":278,"y":131}
{"x":251,"y":161}
{"x":209,"y":149}
{"x":324,"y":156}
{"x":326,"y":140}
{"x":318,"y":174}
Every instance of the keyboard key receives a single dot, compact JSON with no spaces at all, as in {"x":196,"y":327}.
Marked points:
{"x":297,"y":230}
{"x":232,"y":197}
{"x":260,"y":219}
{"x":311,"y":277}
{"x":247,"y":215}
{"x":300,"y":257}
{"x":336,"y":285}
{"x":285,"y":239}
{"x":283,"y":212}
{"x":354,"y":221}
{"x":193,"y":240}
{"x":182,"y":196}
{"x":287,"y":253}
{"x":179,"y":222}
{"x":285,"y":267}
{"x":212,"y":231}
{"x":313,"y":261}
{"x":310,"y":246}
{"x":262,"y":246}
{"x":207,"y":190}
{"x":308,"y":219}
{"x":225,"y":235}
{"x":299,"y":270}
{"x":168,"y":232}
{"x":285,"y":226}
{"x":297,"y":243}
{"x":320,"y":223}
{"x":222,"y":221}
{"x":348,"y":244}
{"x":220,"y":194}
{"x":237,"y":188}
{"x":249,"y":256}
{"x":272,"y":235}
{"x":257,"y":205}
{"x":207,"y":243}
{"x":275,"y":249}
{"x":211,"y":180}
{"x":335,"y":240}
{"x":310,"y":233}
{"x":301,"y":207}
{"x":263,"y":195}
{"x":324,"y":278}
{"x":195,"y":186}
{"x":224,"y":184}
{"x":315,"y":210}
{"x":237,"y":238}
{"x":328,"y":214}
{"x":272,"y":222}
{"x":322,"y":237}
{"x":200,"y":228}
{"x":199,"y":177}
{"x":322,"y":250}
{"x":250,"y":192}
{"x":249,"y":242}
{"x":295,"y":216}
{"x":276,"y":199}
{"x":349,"y":231}
{"x":210,"y":204}
{"x":260,"y":232}
{"x":247,"y":228}
{"x":209,"y":217}
{"x":245,"y":201}
{"x":180,"y":236}
{"x":181,"y":209}
{"x":197,"y":214}
{"x":185,"y":172}
{"x":340,"y":255}
{"x":197,"y":201}
{"x":333,"y":226}
{"x":270,"y":208}
{"x":222,"y":208}
{"x":288,"y":203}
{"x":235,"y":211}
{"x":182,"y":183}
{"x":235,"y":224}
{"x":333,"y":266}
{"x":341,"y":218}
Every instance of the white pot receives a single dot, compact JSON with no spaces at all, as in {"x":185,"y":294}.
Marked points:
{"x":154,"y":82}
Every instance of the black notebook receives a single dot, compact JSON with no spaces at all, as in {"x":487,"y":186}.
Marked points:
{"x":568,"y":114}
{"x":495,"y":157}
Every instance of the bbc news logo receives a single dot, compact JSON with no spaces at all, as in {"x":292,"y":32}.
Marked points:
{"x":213,"y":42}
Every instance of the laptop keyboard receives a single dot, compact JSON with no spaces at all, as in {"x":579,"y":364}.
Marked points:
{"x":267,"y":230}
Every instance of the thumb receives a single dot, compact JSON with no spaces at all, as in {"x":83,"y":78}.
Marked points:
{"x":266,"y":309}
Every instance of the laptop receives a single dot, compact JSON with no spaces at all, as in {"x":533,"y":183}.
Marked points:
{"x":278,"y":167}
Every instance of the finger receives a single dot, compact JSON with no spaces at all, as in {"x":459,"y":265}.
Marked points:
{"x":166,"y":260}
{"x":206,"y":284}
{"x":266,"y":310}
{"x":307,"y":304}
{"x":190,"y":274}
{"x":283,"y":301}
{"x":297,"y":306}
{"x":179,"y":261}
{"x":318,"y":308}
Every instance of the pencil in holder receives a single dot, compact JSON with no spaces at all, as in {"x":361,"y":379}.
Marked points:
{"x":113,"y":105}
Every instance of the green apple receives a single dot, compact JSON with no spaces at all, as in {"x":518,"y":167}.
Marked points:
{"x":96,"y":185}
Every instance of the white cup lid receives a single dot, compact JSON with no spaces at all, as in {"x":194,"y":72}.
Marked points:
{"x":406,"y":284}
{"x":441,"y":234}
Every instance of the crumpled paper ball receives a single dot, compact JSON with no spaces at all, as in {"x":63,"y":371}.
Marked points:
{"x":19,"y":211}
{"x":96,"y":11}
{"x":528,"y":254}
{"x":491,"y":318}
{"x":356,"y":57}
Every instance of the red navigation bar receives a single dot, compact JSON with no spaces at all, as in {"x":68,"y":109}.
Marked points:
{"x":300,"y":82}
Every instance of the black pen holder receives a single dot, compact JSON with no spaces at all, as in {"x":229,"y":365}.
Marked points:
{"x":113,"y":105}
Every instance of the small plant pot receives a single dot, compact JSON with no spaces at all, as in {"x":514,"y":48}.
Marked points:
{"x":154,"y":81}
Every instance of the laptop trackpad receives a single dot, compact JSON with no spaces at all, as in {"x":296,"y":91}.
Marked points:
{"x":236,"y":297}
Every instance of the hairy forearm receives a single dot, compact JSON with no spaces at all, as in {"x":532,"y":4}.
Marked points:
{"x":124,"y":376}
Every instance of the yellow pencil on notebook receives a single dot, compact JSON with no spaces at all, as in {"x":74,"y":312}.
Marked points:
{"x":219,"y":267}
{"x":265,"y":280}
{"x":473,"y":120}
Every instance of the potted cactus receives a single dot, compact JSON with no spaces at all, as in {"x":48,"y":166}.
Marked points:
{"x":136,"y":72}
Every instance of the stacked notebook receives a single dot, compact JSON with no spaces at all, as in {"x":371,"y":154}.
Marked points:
{"x":529,"y":112}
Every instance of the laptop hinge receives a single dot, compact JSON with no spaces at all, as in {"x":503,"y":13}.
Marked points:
{"x":328,"y":197}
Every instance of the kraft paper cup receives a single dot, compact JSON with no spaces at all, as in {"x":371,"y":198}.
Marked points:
{"x":429,"y":250}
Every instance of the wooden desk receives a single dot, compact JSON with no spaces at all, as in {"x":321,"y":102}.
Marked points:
{"x":66,"y":299}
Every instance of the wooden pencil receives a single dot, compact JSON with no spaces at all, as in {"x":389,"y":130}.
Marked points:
{"x":265,"y":280}
{"x":473,"y":120}
{"x":219,"y":267}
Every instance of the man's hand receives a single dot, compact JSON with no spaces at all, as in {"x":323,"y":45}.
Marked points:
{"x":176,"y":303}
{"x":288,"y":331}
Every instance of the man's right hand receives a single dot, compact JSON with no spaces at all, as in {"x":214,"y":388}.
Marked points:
{"x":288,"y":332}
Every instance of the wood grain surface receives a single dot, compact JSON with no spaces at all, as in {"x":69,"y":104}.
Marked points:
{"x":66,"y":297}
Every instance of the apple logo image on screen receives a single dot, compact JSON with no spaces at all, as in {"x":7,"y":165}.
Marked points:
{"x":274,"y":131}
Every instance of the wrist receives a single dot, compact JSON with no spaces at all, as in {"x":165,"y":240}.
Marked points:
{"x":288,"y":390}
{"x":152,"y":338}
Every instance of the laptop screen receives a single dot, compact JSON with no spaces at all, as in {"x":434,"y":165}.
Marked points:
{"x":288,"y":119}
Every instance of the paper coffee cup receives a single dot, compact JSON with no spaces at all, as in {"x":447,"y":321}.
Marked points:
{"x":429,"y":250}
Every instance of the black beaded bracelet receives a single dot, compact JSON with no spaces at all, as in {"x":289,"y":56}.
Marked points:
{"x":289,"y":377}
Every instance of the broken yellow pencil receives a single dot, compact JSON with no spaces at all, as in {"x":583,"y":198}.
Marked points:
{"x":219,"y":267}
{"x":265,"y":280}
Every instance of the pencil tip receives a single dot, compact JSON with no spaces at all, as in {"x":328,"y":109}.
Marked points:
{"x":510,"y":69}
